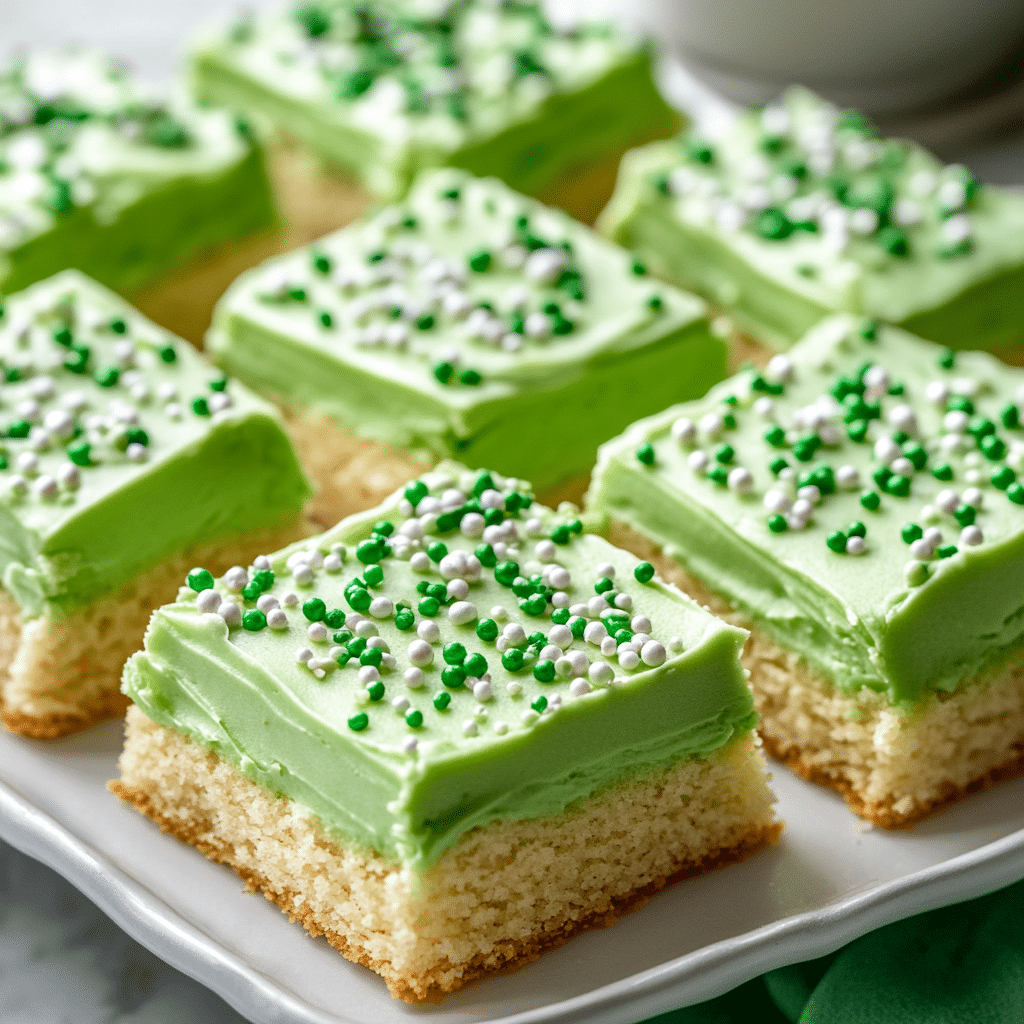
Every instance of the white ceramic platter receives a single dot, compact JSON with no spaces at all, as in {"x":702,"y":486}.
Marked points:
{"x":829,"y":880}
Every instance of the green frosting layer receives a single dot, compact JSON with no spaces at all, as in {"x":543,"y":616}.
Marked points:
{"x":469,"y":322}
{"x":386,"y":89}
{"x":858,"y":500}
{"x":456,"y":656}
{"x":96,"y":175}
{"x":119,"y":446}
{"x":801,"y":211}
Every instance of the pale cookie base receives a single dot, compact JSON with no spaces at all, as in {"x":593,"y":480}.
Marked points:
{"x":502,"y":896}
{"x":892,"y":768}
{"x":352,"y":475}
{"x":61,"y":675}
{"x":311,"y":204}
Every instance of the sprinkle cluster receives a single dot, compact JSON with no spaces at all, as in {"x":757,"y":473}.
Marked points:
{"x":55,"y":110}
{"x":427,"y":577}
{"x":871,"y":437}
{"x":81,"y":388}
{"x":493,"y":278}
{"x":438,"y":69}
{"x":821,"y":173}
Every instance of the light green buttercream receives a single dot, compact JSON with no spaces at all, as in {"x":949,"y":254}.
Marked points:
{"x":885,"y":619}
{"x":697,"y":224}
{"x":541,"y":408}
{"x":246,"y":695}
{"x":96,"y":175}
{"x":191,"y":479}
{"x":372,"y":88}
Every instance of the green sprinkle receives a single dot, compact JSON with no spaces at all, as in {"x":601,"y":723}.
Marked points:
{"x":414,"y":719}
{"x":371,"y":656}
{"x":77,"y":360}
{"x":893,"y":241}
{"x":775,"y":436}
{"x":200,"y":580}
{"x":513,"y":660}
{"x":251,"y":591}
{"x":960,"y":403}
{"x":645,"y":454}
{"x":63,"y":337}
{"x":357,"y":723}
{"x":475,"y":665}
{"x":578,"y":625}
{"x":479,"y":261}
{"x":561,"y":534}
{"x":321,"y":262}
{"x":946,"y":551}
{"x":425,"y":322}
{"x":494,"y":517}
{"x":1015,"y":492}
{"x":857,"y":431}
{"x":485,"y":552}
{"x":107,"y":377}
{"x":405,"y":620}
{"x":540,"y":705}
{"x":1003,"y":477}
{"x":314,"y":609}
{"x":454,"y":677}
{"x":200,"y":406}
{"x":437,"y":551}
{"x":836,"y":541}
{"x":1009,"y":416}
{"x":136,"y":435}
{"x":869,"y":330}
{"x":373,"y":549}
{"x":603,"y":585}
{"x":454,"y":653}
{"x":335,"y":619}
{"x":917,"y":455}
{"x":639,"y":268}
{"x":777,"y":524}
{"x":911,"y":532}
{"x":375,"y":689}
{"x":898,"y":485}
{"x":487,"y":630}
{"x":374,"y":575}
{"x":992,"y":447}
{"x":544,"y":671}
{"x":469,"y":377}
{"x":776,"y":466}
{"x":965,"y":515}
{"x":655,"y":302}
{"x":444,"y":372}
{"x":117,"y":325}
{"x":856,"y":529}
{"x":560,"y":616}
{"x":356,"y":646}
{"x":79,"y":453}
{"x":254,"y":620}
{"x":429,"y":607}
{"x":719,"y":476}
{"x":644,"y":572}
{"x":359,"y":599}
{"x":167,"y":353}
{"x":506,"y":572}
{"x":416,"y":492}
{"x":944,"y":471}
{"x":535,"y":605}
{"x":442,"y":700}
{"x":325,"y":318}
{"x":725,"y":454}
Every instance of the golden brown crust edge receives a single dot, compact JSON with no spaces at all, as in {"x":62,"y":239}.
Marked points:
{"x":57,"y":726}
{"x":514,"y":955}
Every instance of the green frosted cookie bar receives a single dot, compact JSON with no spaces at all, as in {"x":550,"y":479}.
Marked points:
{"x":383,"y":90}
{"x":468,"y":322}
{"x":856,"y":505}
{"x":802,"y":210}
{"x":121,"y":451}
{"x":97,"y":174}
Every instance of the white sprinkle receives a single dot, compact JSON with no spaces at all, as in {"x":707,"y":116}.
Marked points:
{"x":608,"y":646}
{"x":382,"y":607}
{"x":606,"y":569}
{"x":579,"y":687}
{"x":261,"y":563}
{"x":563,"y":668}
{"x":470,"y":728}
{"x":534,"y":527}
{"x":595,"y":633}
{"x":27,"y":463}
{"x":482,"y":691}
{"x":277,"y":619}
{"x":601,"y":673}
{"x":902,"y":417}
{"x":640,"y":624}
{"x":230,"y":613}
{"x":952,"y":194}
{"x":560,"y":578}
{"x":332,"y":563}
{"x":922,"y":549}
{"x":698,"y":461}
{"x":303,"y":574}
{"x":208,"y":601}
{"x":629,"y":659}
{"x":317,"y":632}
{"x":740,"y":480}
{"x":848,"y":477}
{"x":809,"y":493}
{"x":776,"y":501}
{"x":290,"y":599}
{"x":863,"y":221}
{"x":684,"y":430}
{"x":886,"y":449}
{"x":711,"y":425}
{"x":303,"y":654}
{"x":513,"y":689}
{"x":971,"y":535}
{"x":364,"y":628}
{"x":779,"y":369}
{"x":903,"y":466}
{"x":69,"y":476}
{"x":907,"y":213}
{"x":265,"y":602}
{"x":936,"y":392}
{"x":855,"y":545}
{"x":933,"y":535}
{"x":947,"y":500}
{"x":462,"y":612}
{"x":915,"y":573}
{"x":652,"y":653}
{"x":420,"y":562}
{"x":409,"y":745}
{"x":973,"y":497}
{"x":414,"y":678}
{"x":400,"y":704}
{"x":876,"y":379}
{"x":550,"y":652}
{"x":500,"y":727}
{"x":764,"y":407}
{"x":46,"y":487}
{"x":514,"y":634}
{"x":368,"y":674}
{"x":545,"y":550}
{"x":379,"y":642}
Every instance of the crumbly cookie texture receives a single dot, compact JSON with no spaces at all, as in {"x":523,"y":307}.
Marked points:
{"x":458,"y":667}
{"x":892,"y":768}
{"x":498,"y":899}
{"x":467,"y":322}
{"x":121,"y":449}
{"x":802,"y":210}
{"x":100,"y":174}
{"x":383,"y":90}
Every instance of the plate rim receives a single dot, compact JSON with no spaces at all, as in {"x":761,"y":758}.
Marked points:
{"x":683,"y":981}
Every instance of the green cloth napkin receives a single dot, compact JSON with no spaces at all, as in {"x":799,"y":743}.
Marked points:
{"x":959,"y":965}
